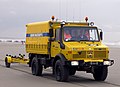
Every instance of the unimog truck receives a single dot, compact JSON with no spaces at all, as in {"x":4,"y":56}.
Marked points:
{"x":67,"y":47}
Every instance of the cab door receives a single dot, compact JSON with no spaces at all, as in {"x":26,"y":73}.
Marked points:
{"x":55,"y":45}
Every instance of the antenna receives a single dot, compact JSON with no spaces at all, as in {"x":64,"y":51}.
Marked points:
{"x":73,"y":14}
{"x":73,"y":10}
{"x":60,"y":9}
{"x":80,"y":6}
{"x":66,"y":10}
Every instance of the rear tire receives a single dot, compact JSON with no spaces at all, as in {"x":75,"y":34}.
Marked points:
{"x":6,"y":63}
{"x":36,"y":67}
{"x":100,"y":73}
{"x":61,"y":72}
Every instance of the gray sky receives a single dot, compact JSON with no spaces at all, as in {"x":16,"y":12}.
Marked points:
{"x":15,"y":14}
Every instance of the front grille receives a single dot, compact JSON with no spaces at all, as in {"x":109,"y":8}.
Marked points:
{"x":99,"y":54}
{"x":81,"y":55}
{"x":91,"y":54}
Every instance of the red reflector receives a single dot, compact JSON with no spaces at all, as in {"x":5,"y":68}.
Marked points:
{"x":82,"y":48}
{"x":70,"y":52}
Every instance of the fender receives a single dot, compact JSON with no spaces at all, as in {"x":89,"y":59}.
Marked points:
{"x":60,"y":57}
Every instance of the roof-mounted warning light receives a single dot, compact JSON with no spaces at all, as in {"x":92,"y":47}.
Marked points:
{"x":53,"y":18}
{"x":86,"y":19}
{"x":92,"y":23}
{"x":62,"y":23}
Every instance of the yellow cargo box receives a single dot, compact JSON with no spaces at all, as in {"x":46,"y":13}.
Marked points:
{"x":37,"y":37}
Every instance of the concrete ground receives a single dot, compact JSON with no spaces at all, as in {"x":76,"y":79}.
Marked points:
{"x":19,"y":75}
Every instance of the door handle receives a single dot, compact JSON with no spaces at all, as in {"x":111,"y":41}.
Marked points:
{"x":55,"y":46}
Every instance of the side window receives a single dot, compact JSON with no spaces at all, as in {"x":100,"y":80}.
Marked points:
{"x":57,"y":34}
{"x":93,"y":34}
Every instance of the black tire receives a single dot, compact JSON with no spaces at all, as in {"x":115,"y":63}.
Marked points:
{"x":53,"y":70}
{"x":100,"y":73}
{"x":61,"y":72}
{"x":6,"y":63}
{"x":29,"y":63}
{"x":36,"y":67}
{"x":31,"y":56}
{"x":72,"y":71}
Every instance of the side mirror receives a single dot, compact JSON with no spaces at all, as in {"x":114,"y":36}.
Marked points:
{"x":62,"y":46}
{"x":51,"y":32}
{"x":101,"y":35}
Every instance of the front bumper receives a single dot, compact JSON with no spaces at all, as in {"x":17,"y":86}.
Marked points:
{"x":90,"y":63}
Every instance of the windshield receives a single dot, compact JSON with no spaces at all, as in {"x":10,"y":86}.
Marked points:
{"x":80,"y":34}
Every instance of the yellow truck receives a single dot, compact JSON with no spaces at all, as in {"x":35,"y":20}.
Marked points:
{"x":67,"y":47}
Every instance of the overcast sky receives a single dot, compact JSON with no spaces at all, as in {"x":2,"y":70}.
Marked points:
{"x":15,"y":14}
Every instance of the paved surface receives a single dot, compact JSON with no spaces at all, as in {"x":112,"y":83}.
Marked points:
{"x":19,"y":75}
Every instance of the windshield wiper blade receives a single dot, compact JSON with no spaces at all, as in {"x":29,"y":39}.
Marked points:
{"x":72,"y":40}
{"x":88,"y":40}
{"x":84,"y":40}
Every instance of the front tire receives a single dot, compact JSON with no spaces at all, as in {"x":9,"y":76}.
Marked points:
{"x":100,"y":73}
{"x":36,"y":67}
{"x":61,"y":71}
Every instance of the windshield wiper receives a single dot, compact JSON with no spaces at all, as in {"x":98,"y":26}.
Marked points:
{"x":84,"y":40}
{"x":88,"y":40}
{"x":72,"y":40}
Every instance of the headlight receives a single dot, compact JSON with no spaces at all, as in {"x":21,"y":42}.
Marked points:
{"x":107,"y":63}
{"x":74,"y":63}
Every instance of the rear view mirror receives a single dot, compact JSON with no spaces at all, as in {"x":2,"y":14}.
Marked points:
{"x":51,"y":32}
{"x":62,"y":46}
{"x":101,"y":35}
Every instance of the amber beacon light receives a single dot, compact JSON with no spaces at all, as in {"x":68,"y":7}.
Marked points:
{"x":86,"y":19}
